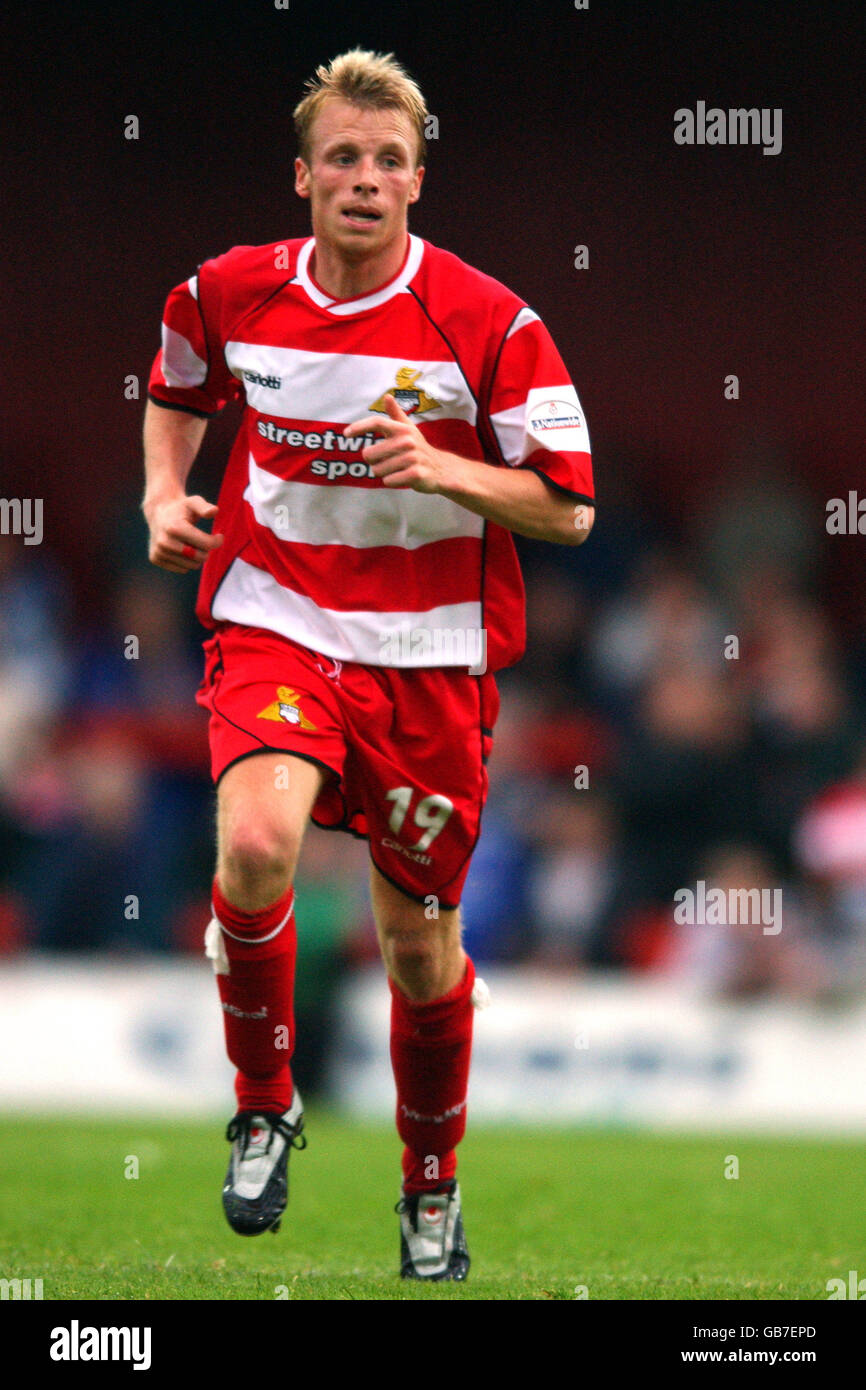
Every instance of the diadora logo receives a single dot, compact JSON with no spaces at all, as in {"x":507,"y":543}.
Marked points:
{"x":273,"y":383}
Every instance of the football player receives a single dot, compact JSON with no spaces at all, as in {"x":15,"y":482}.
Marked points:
{"x":404,"y":414}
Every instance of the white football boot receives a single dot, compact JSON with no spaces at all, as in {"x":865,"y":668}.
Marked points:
{"x":256,"y":1187}
{"x":432,"y":1242}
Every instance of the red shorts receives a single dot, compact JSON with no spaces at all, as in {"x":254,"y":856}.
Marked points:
{"x":406,"y":750}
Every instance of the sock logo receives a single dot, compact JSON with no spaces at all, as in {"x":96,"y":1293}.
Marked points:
{"x":239,"y":1013}
{"x":448,"y":1114}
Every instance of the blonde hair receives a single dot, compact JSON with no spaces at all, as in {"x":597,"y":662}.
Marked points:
{"x":374,"y":80}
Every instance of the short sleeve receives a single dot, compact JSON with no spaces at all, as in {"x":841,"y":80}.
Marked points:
{"x":534,"y":411}
{"x":189,"y":372}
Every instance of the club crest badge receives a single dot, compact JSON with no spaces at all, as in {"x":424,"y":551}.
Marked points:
{"x":286,"y":708}
{"x":408,"y":394}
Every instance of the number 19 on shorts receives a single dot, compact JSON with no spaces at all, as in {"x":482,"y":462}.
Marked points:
{"x":430,"y":816}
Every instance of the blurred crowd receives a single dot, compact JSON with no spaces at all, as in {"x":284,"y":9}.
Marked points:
{"x":687,"y":712}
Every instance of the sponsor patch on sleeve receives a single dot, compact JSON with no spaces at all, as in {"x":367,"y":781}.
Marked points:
{"x":555,"y":420}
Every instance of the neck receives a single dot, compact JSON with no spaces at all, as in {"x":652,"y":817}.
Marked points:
{"x":348,"y":279}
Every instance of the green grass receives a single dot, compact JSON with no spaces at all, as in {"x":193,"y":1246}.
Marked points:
{"x":629,"y":1215}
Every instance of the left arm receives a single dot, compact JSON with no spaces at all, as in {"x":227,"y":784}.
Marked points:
{"x":514,"y":498}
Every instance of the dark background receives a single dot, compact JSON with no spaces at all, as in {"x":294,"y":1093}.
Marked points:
{"x":556,"y":128}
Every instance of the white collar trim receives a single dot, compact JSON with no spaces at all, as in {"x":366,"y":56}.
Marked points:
{"x":368,"y":301}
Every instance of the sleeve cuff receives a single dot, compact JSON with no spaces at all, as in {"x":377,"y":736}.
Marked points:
{"x":186,"y":409}
{"x":558,"y":487}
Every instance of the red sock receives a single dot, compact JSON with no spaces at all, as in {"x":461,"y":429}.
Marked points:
{"x":430,"y":1050}
{"x":258,"y":999}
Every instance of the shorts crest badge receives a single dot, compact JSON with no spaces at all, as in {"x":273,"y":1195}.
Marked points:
{"x":286,"y":707}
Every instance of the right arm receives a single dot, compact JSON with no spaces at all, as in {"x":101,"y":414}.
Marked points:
{"x":172,"y":439}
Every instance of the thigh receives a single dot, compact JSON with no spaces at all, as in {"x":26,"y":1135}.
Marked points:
{"x":416,"y":765}
{"x":394,"y":911}
{"x":266,"y":694}
{"x":267,"y":798}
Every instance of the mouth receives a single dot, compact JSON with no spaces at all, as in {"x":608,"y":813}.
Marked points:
{"x":359,"y":216}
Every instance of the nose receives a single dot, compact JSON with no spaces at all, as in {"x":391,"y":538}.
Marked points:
{"x":365,"y":176}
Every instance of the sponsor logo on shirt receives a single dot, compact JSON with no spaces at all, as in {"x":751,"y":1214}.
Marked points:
{"x":286,"y":709}
{"x":555,"y":415}
{"x":313,"y":439}
{"x":323,"y":439}
{"x":338,"y":468}
{"x":410,"y":396}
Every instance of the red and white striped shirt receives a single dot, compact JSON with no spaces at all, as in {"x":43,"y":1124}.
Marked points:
{"x":315,"y":547}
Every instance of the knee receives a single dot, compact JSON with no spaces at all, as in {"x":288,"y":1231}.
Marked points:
{"x":411,"y":954}
{"x":412,"y":957}
{"x":258,"y":854}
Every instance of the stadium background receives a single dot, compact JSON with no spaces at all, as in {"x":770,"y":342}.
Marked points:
{"x":555,"y":130}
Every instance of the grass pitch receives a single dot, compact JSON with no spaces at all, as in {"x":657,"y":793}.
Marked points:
{"x":626,"y":1215}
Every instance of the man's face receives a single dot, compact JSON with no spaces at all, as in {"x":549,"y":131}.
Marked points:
{"x":361,"y":177}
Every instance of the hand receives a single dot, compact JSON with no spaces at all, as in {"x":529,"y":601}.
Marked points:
{"x":402,"y":457}
{"x":176,"y":543}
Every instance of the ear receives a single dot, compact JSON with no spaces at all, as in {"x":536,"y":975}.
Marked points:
{"x":302,"y":178}
{"x":416,"y":184}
